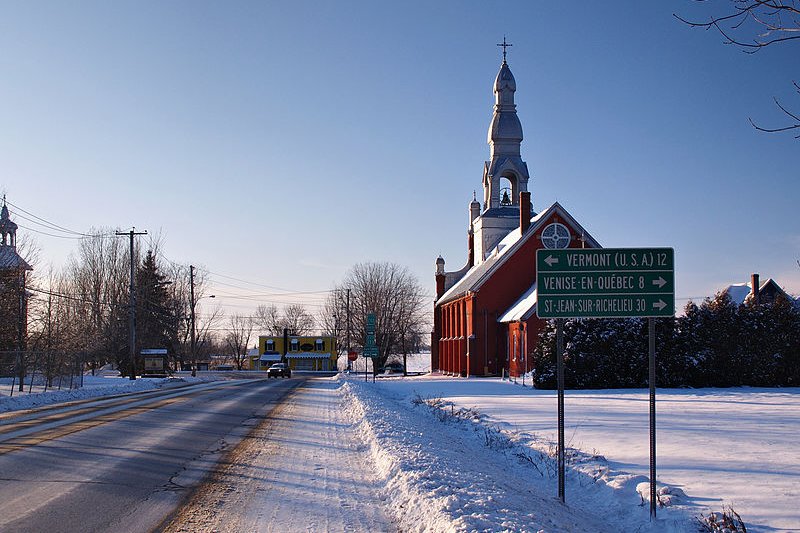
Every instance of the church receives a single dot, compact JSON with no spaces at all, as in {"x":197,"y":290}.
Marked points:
{"x":484,"y":320}
{"x":13,"y":297}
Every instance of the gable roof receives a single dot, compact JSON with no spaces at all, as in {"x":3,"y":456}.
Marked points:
{"x":10,"y":259}
{"x":479,"y":274}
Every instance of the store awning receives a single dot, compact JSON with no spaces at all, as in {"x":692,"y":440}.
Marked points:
{"x":308,"y":355}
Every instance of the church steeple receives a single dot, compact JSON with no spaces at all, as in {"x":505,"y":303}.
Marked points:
{"x":505,"y":175}
{"x":8,"y":230}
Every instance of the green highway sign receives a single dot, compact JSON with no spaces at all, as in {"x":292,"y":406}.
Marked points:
{"x":370,"y":348}
{"x":370,"y":351}
{"x":605,"y":282}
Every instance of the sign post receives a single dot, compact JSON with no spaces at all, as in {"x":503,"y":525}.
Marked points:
{"x":606,"y":283}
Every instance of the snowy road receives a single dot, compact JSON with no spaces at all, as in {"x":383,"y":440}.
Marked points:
{"x":122,"y":464}
{"x":299,"y":471}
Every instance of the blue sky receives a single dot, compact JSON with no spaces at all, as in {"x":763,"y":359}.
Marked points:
{"x":283,"y":142}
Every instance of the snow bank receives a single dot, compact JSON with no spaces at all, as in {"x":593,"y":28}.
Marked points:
{"x":448,"y":469}
{"x":93,"y":387}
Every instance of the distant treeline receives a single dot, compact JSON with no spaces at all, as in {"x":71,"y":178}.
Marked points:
{"x":715,"y":344}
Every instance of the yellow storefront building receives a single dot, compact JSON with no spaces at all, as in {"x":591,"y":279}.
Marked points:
{"x":302,"y":352}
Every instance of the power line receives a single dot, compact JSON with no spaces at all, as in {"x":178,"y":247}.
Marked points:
{"x":248,"y":282}
{"x":50,"y":225}
{"x":50,"y":234}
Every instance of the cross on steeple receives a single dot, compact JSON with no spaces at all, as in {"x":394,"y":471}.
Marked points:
{"x":504,"y":45}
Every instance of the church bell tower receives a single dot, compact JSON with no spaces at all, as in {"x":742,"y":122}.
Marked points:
{"x":505,"y":175}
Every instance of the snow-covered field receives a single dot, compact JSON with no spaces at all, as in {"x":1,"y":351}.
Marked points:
{"x":720,"y":447}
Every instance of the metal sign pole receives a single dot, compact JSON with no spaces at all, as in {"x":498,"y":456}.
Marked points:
{"x":560,"y":378}
{"x":651,"y":326}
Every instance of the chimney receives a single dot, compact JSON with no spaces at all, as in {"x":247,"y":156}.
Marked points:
{"x":524,"y":211}
{"x":754,"y":286}
{"x":440,"y":277}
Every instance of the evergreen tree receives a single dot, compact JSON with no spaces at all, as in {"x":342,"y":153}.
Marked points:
{"x":155,"y":325}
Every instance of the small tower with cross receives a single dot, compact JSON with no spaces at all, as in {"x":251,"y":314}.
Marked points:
{"x":8,"y":230}
{"x":13,"y":294}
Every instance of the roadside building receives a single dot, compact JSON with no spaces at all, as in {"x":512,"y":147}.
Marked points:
{"x":758,"y":292}
{"x":485,"y":312}
{"x":317,"y":352}
{"x":13,"y":295}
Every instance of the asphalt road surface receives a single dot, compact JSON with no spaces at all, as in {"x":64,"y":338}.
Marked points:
{"x":124,"y":463}
{"x":303,"y":469}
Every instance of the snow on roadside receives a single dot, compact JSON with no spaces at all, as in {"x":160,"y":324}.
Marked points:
{"x":456,"y":472}
{"x":94,"y":387}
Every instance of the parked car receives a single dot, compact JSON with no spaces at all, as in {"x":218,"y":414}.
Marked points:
{"x":393,"y":368}
{"x":279,"y":369}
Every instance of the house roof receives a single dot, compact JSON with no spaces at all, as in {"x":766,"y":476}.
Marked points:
{"x":476,"y":276}
{"x":739,"y":293}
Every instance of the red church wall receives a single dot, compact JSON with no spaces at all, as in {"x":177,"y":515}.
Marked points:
{"x":472,"y":341}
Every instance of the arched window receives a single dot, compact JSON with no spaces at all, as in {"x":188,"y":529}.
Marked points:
{"x":507,"y":191}
{"x":269,"y":346}
{"x":294,"y":345}
{"x":320,"y":345}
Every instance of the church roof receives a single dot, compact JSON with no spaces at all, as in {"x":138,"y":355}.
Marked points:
{"x":10,"y":259}
{"x":523,"y":309}
{"x":476,"y":276}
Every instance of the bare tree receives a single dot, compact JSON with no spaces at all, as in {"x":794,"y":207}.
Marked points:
{"x":240,"y":329}
{"x":297,"y":320}
{"x":268,"y":319}
{"x":752,"y":25}
{"x":97,"y":282}
{"x":393,"y":295}
{"x":293,"y":317}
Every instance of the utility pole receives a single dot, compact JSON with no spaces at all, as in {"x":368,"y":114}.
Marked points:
{"x":132,"y":301}
{"x":349,"y":362}
{"x":193,"y":341}
{"x":21,"y":319}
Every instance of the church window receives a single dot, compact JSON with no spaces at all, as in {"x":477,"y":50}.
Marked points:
{"x":556,"y":235}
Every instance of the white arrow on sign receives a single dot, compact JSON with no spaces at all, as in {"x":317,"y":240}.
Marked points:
{"x":659,"y":304}
{"x":550,"y":260}
{"x":660,"y":282}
